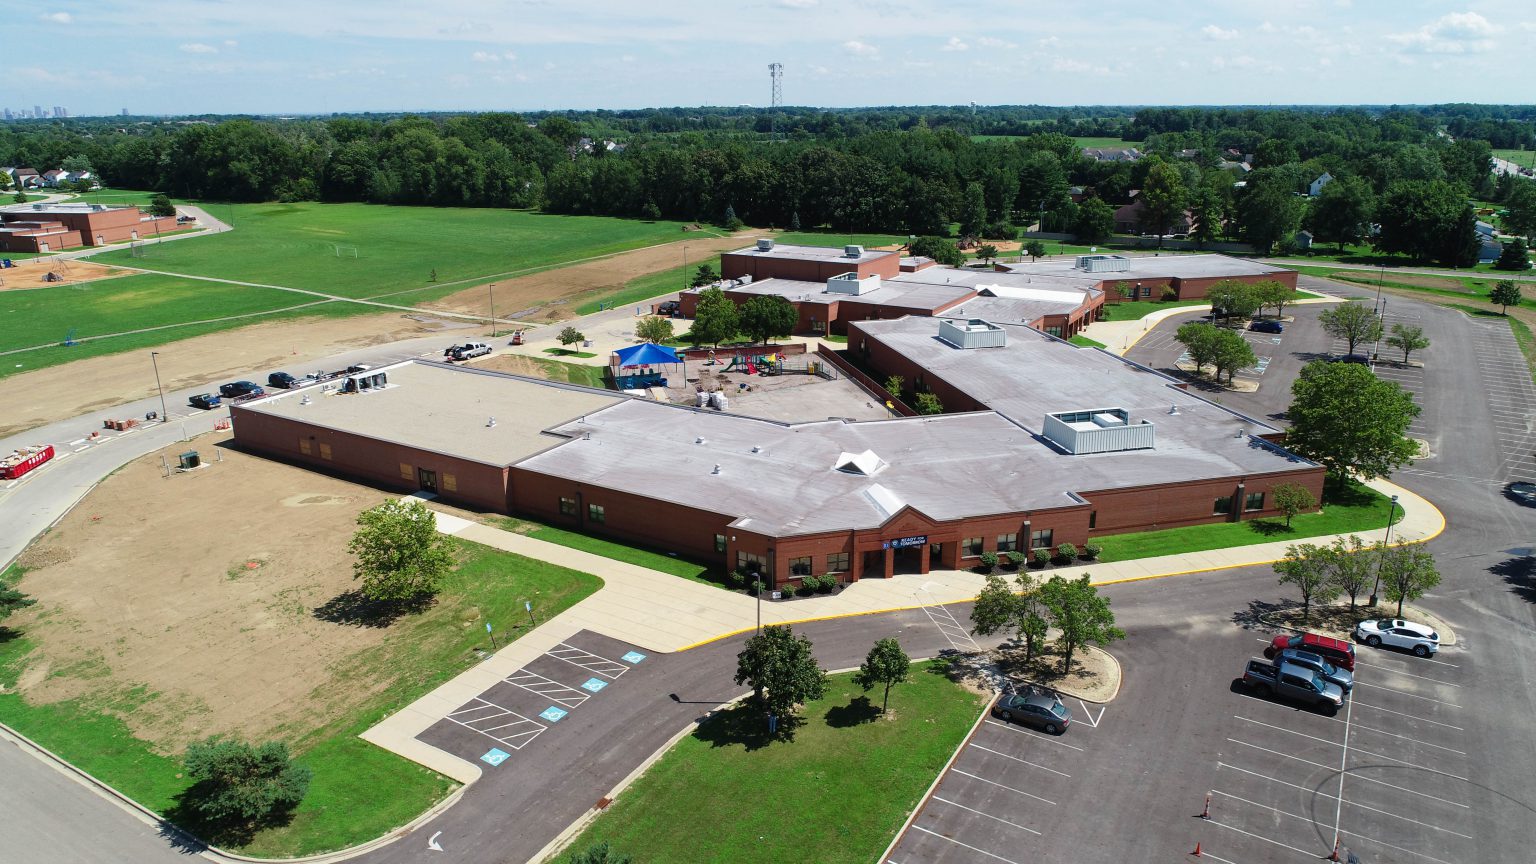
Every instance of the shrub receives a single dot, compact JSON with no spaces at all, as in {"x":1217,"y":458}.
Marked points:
{"x":1092,"y":551}
{"x":1042,"y":557}
{"x":808,"y":586}
{"x":828,"y":582}
{"x":1000,"y":231}
{"x":1067,"y":551}
{"x":737,"y":579}
{"x":989,"y":561}
{"x":1017,"y":558}
{"x":1169,"y":293}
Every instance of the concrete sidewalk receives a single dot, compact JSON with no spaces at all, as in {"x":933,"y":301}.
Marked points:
{"x":665,"y":613}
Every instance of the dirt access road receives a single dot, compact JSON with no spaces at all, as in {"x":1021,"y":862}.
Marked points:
{"x":59,"y":392}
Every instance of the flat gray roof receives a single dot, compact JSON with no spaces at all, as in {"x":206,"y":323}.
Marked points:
{"x":445,"y":409}
{"x":812,"y":253}
{"x":894,"y":292}
{"x":1034,"y":375}
{"x":1201,"y":266}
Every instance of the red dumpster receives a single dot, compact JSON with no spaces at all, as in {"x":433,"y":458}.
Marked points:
{"x":24,"y":460}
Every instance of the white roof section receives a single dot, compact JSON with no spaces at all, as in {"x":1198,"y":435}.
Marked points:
{"x":1197,"y":266}
{"x":1043,"y":295}
{"x":828,"y":254}
{"x":866,"y":463}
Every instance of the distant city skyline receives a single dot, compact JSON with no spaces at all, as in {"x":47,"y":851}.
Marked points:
{"x":288,"y":57}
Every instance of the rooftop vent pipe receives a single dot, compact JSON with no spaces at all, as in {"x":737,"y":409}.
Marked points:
{"x":717,"y":470}
{"x":490,"y":423}
{"x":1173,"y":409}
{"x":699,"y":440}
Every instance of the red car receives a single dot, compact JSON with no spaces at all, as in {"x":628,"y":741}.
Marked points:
{"x":1336,"y":651}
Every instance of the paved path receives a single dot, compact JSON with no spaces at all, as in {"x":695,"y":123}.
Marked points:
{"x":667,"y":614}
{"x":1120,"y":336}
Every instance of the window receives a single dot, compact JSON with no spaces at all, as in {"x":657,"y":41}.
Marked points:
{"x":1255,"y":501}
{"x":1041,"y":539}
{"x":1054,"y":331}
{"x":720,"y":543}
{"x":1093,"y":519}
{"x":567,"y":506}
{"x":325,"y":450}
{"x":1007,"y":542}
{"x":450,"y":483}
{"x":407,"y":471}
{"x":818,"y":326}
{"x":1146,"y":291}
{"x":837,"y":562}
{"x":304,"y":446}
{"x":1222,"y":507}
{"x":800,"y":566}
{"x":597,"y":513}
{"x":970,"y":547}
{"x":747,"y":562}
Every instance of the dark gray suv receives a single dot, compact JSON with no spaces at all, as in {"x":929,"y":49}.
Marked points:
{"x":1042,"y":712}
{"x":1331,"y":673}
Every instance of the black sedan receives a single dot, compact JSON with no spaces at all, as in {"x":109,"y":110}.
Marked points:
{"x":1522,"y":493}
{"x":1042,"y":712}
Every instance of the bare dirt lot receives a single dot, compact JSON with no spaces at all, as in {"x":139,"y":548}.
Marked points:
{"x":200,"y":589}
{"x":33,"y":273}
{"x":547,"y":290}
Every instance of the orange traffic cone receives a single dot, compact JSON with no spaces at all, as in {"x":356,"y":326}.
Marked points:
{"x":1335,"y":855}
{"x":1196,"y":853}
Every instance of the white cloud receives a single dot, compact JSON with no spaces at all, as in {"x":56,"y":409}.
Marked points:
{"x":956,"y":44}
{"x":798,"y":4}
{"x":1216,"y":34}
{"x":1456,"y":33}
{"x":994,"y":42}
{"x":198,"y":48}
{"x":860,"y":49}
{"x":1050,"y":41}
{"x":57,"y":17}
{"x":1068,"y":64}
{"x":230,"y":43}
{"x":485,"y":57}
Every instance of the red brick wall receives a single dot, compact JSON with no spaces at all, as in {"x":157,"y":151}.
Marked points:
{"x":378,"y":462}
{"x":1149,"y":508}
{"x":733,"y":265}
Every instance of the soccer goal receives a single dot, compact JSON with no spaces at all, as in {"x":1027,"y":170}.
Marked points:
{"x":344,"y":251}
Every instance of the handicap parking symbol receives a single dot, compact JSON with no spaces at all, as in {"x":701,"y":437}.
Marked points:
{"x":594,"y":684}
{"x":633,"y":657}
{"x":495,"y":756}
{"x":553,"y":714}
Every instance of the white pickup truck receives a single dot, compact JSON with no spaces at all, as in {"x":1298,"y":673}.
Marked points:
{"x":468,"y":350}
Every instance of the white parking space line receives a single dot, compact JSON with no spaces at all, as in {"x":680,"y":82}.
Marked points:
{"x":610,"y":669}
{"x":964,"y":845}
{"x":1309,"y":820}
{"x":1288,"y":731}
{"x":1087,"y":712}
{"x":1312,"y":856}
{"x":1036,"y":735}
{"x":1407,"y":738}
{"x":1409,"y":674}
{"x":1423,"y":660}
{"x":1311,"y":791}
{"x":1351,"y":772}
{"x":1406,"y":693}
{"x":958,"y":637}
{"x":1410,"y":716}
{"x":568,"y":697}
{"x":516,"y":742}
{"x":1025,"y":761}
{"x":989,"y":816}
{"x":1001,"y":786}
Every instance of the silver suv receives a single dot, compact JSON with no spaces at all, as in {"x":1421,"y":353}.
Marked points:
{"x":1331,"y":673}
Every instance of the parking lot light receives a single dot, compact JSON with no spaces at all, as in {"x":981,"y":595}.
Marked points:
{"x":1391,"y":511}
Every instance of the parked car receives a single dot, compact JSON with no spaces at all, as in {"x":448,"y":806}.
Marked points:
{"x":205,"y":401}
{"x":470,"y":349}
{"x":668,"y":308}
{"x":1042,"y":712}
{"x":1293,"y":682}
{"x":1521,"y":492}
{"x":284,"y":381}
{"x":236,"y":389}
{"x":1398,"y":634}
{"x":1266,"y":326}
{"x":1336,"y":651}
{"x":1331,"y":673}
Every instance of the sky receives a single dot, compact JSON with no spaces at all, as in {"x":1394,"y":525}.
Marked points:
{"x":320,"y":56}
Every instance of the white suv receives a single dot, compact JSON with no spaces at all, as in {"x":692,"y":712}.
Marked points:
{"x":1399,"y":634}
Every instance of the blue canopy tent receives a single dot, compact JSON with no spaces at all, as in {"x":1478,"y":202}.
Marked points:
{"x":642,"y":357}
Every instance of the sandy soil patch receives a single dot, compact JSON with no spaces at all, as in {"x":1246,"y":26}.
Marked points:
{"x":200,"y":589}
{"x":1338,"y":621}
{"x":60,"y":392}
{"x":1095,"y":675}
{"x":30,"y":273}
{"x":543,"y":297}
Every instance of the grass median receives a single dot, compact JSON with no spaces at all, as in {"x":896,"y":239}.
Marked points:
{"x":640,"y":557}
{"x":838,"y":792}
{"x":359,"y":791}
{"x":1354,"y":509}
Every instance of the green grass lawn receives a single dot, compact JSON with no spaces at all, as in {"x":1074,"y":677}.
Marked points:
{"x":116,"y":197}
{"x":569,"y":352}
{"x":397,"y":248}
{"x":1084,"y":341}
{"x":838,"y":792}
{"x":1368,"y":256}
{"x":1136,"y":309}
{"x":571,"y":373}
{"x":1358,"y":508}
{"x":1523,"y":158}
{"x":641,"y":557}
{"x":359,"y":791}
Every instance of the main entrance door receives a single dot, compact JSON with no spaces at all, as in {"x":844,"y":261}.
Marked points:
{"x":426,"y":479}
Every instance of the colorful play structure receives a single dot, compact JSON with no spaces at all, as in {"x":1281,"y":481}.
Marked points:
{"x":634,"y":368}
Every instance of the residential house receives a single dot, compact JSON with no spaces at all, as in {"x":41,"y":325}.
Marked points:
{"x":1484,"y":230}
{"x":1112,"y":154}
{"x":53,"y":176}
{"x":26,"y":178}
{"x":1317,"y":185}
{"x":1128,"y":219}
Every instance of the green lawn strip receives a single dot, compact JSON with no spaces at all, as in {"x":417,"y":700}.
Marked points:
{"x":1472,"y":287}
{"x":309,"y":245}
{"x":1084,"y":341}
{"x":571,"y":373}
{"x":1359,"y":508}
{"x":833,"y":338}
{"x":1134,"y":310}
{"x":639,"y":556}
{"x":569,"y":352}
{"x":875,"y":770}
{"x":647,"y":286}
{"x":359,"y":791}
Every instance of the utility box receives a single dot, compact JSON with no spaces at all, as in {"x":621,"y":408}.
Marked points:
{"x":190,"y":460}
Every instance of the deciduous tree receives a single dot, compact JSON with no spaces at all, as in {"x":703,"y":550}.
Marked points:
{"x":1200,"y":342}
{"x":1406,"y":573}
{"x":1505,"y":293}
{"x":973,"y":211}
{"x":1353,"y":322}
{"x":1350,"y":565}
{"x":1291,"y":498}
{"x":1232,"y":353}
{"x":886,"y":664}
{"x":940,"y":249}
{"x":927,"y":403}
{"x":1080,"y":615}
{"x":570,"y":336}
{"x":400,"y":554}
{"x":999,"y":608}
{"x":781,"y":670}
{"x":715,"y":319}
{"x":654,"y":329}
{"x":1095,"y":222}
{"x":1163,"y":200}
{"x":1303,"y":567}
{"x":1349,"y":421}
{"x":1035,"y":249}
{"x":767,"y":316}
{"x":1407,"y":339}
{"x":1341,"y":213}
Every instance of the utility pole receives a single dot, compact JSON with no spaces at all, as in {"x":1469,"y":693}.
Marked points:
{"x":165,"y":415}
{"x":491,"y":290}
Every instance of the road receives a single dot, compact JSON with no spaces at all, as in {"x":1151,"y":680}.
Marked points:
{"x":1174,"y":732}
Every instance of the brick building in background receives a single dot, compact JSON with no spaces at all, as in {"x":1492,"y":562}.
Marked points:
{"x":56,"y":227}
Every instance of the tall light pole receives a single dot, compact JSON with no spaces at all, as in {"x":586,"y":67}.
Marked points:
{"x":1391,"y":511}
{"x":165,"y":415}
{"x":491,"y":290}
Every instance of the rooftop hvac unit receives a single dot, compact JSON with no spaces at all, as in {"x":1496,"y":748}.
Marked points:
{"x":765,"y":244}
{"x":853,"y":251}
